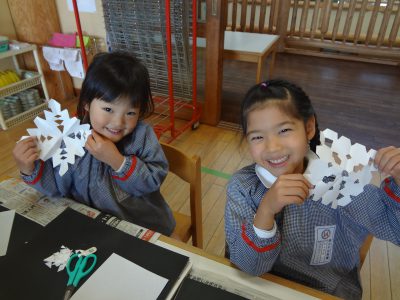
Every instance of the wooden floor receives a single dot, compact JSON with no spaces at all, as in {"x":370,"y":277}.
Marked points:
{"x":359,"y":100}
{"x":221,"y":151}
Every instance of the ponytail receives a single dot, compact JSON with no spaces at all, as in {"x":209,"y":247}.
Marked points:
{"x":315,"y":141}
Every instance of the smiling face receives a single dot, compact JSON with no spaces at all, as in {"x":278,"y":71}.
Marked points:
{"x":278,"y":141}
{"x":114,"y":120}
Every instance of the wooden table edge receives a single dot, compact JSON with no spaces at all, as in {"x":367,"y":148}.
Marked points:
{"x":273,"y":278}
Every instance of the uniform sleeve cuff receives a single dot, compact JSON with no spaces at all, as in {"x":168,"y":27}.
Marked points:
{"x":126,"y":169}
{"x":265,"y":234}
{"x":392,"y":189}
{"x":122,"y":166}
{"x":36,"y":175}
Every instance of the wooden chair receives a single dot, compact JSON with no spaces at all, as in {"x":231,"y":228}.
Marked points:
{"x":365,"y":248}
{"x":188,"y":169}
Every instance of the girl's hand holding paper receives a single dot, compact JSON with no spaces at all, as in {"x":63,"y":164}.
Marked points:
{"x":25,"y":153}
{"x":387,"y":160}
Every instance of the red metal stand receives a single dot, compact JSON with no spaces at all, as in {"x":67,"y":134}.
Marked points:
{"x":175,"y":104}
{"x":164,"y":118}
{"x":78,"y":27}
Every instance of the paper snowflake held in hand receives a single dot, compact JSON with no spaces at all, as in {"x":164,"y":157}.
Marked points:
{"x":59,"y":136}
{"x":341,"y":171}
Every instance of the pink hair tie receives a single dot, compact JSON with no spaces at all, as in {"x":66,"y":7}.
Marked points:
{"x":264,"y":84}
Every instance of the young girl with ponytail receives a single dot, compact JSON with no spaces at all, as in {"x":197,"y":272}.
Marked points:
{"x":271,"y":223}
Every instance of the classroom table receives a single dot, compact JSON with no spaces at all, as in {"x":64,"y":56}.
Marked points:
{"x":249,"y":47}
{"x":268,"y":277}
{"x":27,"y":229}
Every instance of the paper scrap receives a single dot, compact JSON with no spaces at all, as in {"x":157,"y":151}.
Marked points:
{"x":342,"y":170}
{"x":134,"y":282}
{"x":6,"y":223}
{"x":59,"y":137}
{"x":59,"y":259}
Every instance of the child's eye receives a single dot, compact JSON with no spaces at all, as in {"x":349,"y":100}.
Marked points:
{"x":107,"y":109}
{"x":255,"y":138}
{"x":132,"y":113}
{"x":285,"y":130}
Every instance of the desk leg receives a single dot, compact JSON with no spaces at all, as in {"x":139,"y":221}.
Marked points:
{"x":272,"y":63}
{"x":259,"y":69}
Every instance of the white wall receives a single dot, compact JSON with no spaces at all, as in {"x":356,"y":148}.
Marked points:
{"x":92,"y":24}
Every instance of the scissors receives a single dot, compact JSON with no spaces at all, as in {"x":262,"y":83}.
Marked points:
{"x":79,"y":271}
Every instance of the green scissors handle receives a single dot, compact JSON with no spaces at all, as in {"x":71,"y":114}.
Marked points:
{"x":79,"y":271}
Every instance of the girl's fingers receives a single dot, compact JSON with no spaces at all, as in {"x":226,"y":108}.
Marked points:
{"x":297,"y":178}
{"x":33,"y":157}
{"x":389,"y":160}
{"x":24,"y":146}
{"x":383,"y":155}
{"x":301,"y":183}
{"x":88,"y":144}
{"x":293,"y":199}
{"x":96,"y":136}
{"x":296,"y":192}
{"x":394,"y":170}
{"x":29,"y":152}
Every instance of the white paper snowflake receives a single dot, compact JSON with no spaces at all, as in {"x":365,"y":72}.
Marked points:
{"x":341,"y":171}
{"x":59,"y":136}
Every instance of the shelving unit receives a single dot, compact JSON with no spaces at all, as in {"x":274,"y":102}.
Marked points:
{"x":162,"y":34}
{"x":36,"y":80}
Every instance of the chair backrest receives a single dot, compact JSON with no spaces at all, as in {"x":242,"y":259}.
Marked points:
{"x":188,"y":169}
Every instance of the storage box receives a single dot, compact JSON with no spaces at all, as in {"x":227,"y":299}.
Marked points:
{"x":3,"y":43}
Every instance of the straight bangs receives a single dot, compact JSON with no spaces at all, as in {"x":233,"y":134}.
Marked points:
{"x":261,"y":98}
{"x":121,"y":85}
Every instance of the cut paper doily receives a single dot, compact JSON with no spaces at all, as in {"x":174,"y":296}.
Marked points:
{"x":59,"y":137}
{"x":59,"y":259}
{"x":341,"y":171}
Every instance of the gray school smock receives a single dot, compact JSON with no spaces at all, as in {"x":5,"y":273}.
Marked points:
{"x":297,"y":251}
{"x":133,"y":194}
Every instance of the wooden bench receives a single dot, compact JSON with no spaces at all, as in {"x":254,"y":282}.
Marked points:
{"x":249,"y":47}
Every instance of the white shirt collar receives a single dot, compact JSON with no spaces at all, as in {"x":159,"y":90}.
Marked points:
{"x":268,"y":179}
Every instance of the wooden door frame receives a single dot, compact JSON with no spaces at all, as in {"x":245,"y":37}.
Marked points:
{"x":215,"y":28}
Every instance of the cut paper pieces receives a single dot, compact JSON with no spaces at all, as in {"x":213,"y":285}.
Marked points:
{"x":59,"y":259}
{"x":59,"y":137}
{"x":341,"y":171}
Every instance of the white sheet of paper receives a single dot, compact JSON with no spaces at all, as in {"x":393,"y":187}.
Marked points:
{"x":83,"y":5}
{"x":6,"y":222}
{"x":119,"y":278}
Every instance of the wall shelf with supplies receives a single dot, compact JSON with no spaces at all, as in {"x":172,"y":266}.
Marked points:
{"x":22,"y":88}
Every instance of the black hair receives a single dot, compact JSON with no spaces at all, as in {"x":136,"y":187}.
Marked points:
{"x":113,"y":75}
{"x":297,"y":104}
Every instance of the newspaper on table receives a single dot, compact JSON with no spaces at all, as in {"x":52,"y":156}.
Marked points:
{"x":15,"y":194}
{"x":228,"y":278}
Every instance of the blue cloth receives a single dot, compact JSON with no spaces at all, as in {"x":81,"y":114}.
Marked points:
{"x":290,"y":252}
{"x":132,"y":194}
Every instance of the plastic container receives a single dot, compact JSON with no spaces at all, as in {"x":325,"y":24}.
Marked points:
{"x":4,"y":42}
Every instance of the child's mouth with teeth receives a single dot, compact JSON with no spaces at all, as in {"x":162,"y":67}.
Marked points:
{"x":279,"y":161}
{"x":113,"y":131}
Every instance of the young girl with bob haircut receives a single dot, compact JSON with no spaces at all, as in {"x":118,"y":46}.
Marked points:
{"x":272,"y":225}
{"x":124,"y":165}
